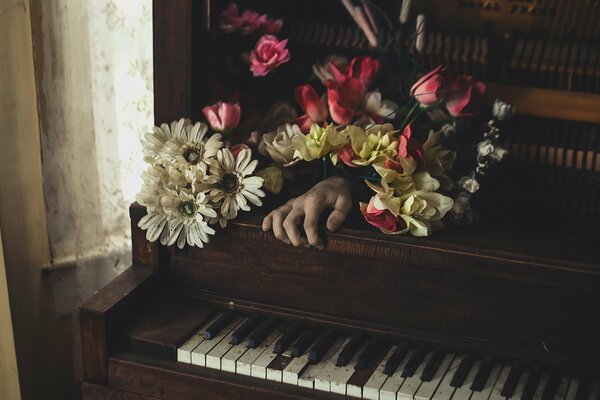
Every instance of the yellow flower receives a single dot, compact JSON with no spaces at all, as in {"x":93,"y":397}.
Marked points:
{"x":375,"y":145}
{"x":439,"y":159}
{"x":319,"y":142}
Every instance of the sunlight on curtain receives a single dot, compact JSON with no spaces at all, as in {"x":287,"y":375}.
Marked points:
{"x":95,"y":84}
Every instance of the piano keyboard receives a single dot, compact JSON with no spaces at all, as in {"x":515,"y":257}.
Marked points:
{"x":367,"y":367}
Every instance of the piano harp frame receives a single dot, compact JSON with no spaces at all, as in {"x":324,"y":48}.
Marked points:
{"x":448,"y":293}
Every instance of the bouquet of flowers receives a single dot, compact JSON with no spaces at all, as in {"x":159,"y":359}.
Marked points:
{"x":423,"y":160}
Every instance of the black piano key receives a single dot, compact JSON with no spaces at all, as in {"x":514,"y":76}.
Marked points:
{"x":261,"y":333}
{"x":244,"y":330}
{"x":583,"y":391}
{"x":288,"y":337}
{"x":396,"y":358}
{"x":350,"y":349}
{"x":413,"y":363}
{"x":551,"y":386}
{"x":482,"y":375}
{"x":516,"y":370}
{"x":432,"y":366}
{"x":216,"y":327}
{"x":306,"y":339}
{"x":322,"y":345}
{"x":531,"y":385}
{"x":463,"y":370}
{"x":368,"y":353}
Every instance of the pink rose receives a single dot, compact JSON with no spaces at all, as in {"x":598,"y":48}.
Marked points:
{"x":230,"y":19}
{"x":222,"y":116}
{"x":346,"y":154}
{"x":236,"y":148}
{"x":382,"y":219}
{"x":248,"y":22}
{"x":251,"y":21}
{"x":344,"y":97}
{"x":268,"y":54}
{"x":407,"y":147}
{"x":314,"y":108}
{"x":466,"y":97}
{"x":272,"y":25}
{"x":433,"y":86}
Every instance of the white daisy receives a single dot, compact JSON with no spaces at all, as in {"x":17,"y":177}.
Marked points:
{"x":187,"y":148}
{"x":154,"y":141}
{"x":232,"y":182}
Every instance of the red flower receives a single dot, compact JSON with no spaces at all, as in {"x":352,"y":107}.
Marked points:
{"x":222,"y":116}
{"x":344,"y":97}
{"x":313,"y":106}
{"x":466,"y":97}
{"x":382,"y":219}
{"x":236,"y":148}
{"x":346,"y":154}
{"x":365,"y":69}
{"x":408,"y":147}
{"x":268,"y":54}
{"x":434,"y":86}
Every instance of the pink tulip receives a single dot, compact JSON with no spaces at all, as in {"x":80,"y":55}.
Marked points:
{"x":433,"y":86}
{"x":365,"y":69}
{"x":222,"y":116}
{"x":314,"y":108}
{"x":346,"y":154}
{"x":268,"y":54}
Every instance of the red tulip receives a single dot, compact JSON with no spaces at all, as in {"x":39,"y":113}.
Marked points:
{"x":344,"y":97}
{"x":314,"y":108}
{"x":365,"y":69}
{"x":433,"y":86}
{"x":467,"y":96}
{"x":382,"y":219}
{"x":346,"y":154}
{"x":408,"y":147}
{"x":222,"y":116}
{"x":268,"y":54}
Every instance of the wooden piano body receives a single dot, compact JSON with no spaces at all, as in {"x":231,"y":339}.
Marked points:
{"x":505,"y":290}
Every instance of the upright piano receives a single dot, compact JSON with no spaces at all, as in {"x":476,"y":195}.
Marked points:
{"x":508,"y":308}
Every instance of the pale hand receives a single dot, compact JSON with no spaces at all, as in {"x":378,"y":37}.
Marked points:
{"x":331,"y":194}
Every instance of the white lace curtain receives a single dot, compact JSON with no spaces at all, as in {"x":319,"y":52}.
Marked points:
{"x":94,"y":73}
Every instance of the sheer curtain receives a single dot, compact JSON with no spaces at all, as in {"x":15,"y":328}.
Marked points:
{"x":94,"y":78}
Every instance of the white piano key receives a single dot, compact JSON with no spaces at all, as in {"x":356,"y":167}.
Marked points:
{"x":497,"y":390}
{"x":520,"y":386}
{"x":445,"y":391}
{"x":295,"y":369}
{"x":427,"y":389}
{"x":539,"y":390}
{"x":594,"y":391}
{"x":243,"y":365}
{"x":411,"y":384}
{"x":489,"y":384}
{"x":371,"y":389}
{"x":184,"y":353}
{"x":323,"y":380}
{"x":307,"y":379}
{"x":230,"y":358}
{"x":341,"y":375}
{"x":572,"y":391}
{"x":213,"y":357}
{"x":394,"y":382}
{"x":259,"y":366}
{"x":464,"y":392}
{"x":276,"y":374}
{"x":199,"y":353}
{"x":563,"y":386}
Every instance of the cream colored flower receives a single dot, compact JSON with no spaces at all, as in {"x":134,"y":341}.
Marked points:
{"x":373,"y":105}
{"x":278,"y":145}
{"x":153,"y":142}
{"x":375,"y":145}
{"x":319,"y":142}
{"x":232,"y":182}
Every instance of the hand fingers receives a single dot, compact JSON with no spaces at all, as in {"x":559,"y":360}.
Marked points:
{"x":290,"y":224}
{"x":278,"y":217}
{"x":341,"y":208}
{"x":267,"y":222}
{"x":311,"y":223}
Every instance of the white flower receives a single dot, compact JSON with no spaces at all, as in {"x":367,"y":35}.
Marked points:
{"x":188,"y":150}
{"x":278,"y":145}
{"x":503,"y":111}
{"x":153,"y":142}
{"x":373,"y":104}
{"x":181,"y":219}
{"x":484,"y":148}
{"x":232,"y":182}
{"x":469,"y":183}
{"x":323,"y":70}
